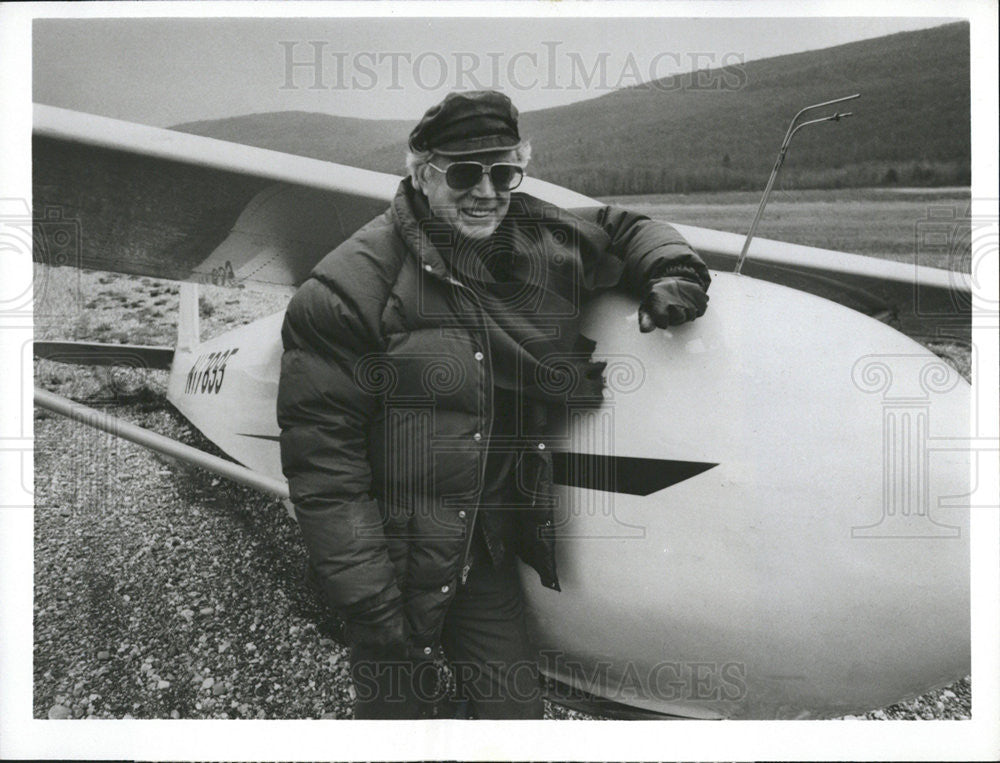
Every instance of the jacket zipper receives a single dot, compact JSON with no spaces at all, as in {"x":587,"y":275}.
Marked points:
{"x":488,"y":358}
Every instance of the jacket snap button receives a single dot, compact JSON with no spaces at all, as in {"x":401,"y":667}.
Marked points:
{"x":427,"y":650}
{"x":428,"y":268}
{"x":478,"y":356}
{"x":477,"y":437}
{"x":461,"y":514}
{"x":541,"y":446}
{"x":444,"y":589}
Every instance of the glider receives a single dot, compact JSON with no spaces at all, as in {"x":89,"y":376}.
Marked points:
{"x":766,"y":519}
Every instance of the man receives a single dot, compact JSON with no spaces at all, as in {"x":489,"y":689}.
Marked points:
{"x":423,"y":358}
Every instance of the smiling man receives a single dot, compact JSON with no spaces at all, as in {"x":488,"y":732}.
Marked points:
{"x":475,"y":194}
{"x":424,"y":358}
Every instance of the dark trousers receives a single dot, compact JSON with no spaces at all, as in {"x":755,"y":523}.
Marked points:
{"x":486,"y":642}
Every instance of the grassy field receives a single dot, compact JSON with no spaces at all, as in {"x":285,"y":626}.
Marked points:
{"x":197,"y":564}
{"x":879,"y":222}
{"x":123,"y":309}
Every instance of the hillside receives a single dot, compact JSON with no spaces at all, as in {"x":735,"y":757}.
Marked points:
{"x":911,"y":126}
{"x":321,"y":136}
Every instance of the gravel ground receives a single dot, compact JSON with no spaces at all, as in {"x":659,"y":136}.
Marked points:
{"x":162,"y":591}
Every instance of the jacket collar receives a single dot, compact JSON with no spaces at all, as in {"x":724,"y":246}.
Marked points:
{"x":441,"y":253}
{"x":422,"y":237}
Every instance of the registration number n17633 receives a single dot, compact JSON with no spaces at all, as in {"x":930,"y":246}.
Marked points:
{"x":208,"y":371}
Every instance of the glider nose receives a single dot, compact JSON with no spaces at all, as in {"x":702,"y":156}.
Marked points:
{"x":822,"y":560}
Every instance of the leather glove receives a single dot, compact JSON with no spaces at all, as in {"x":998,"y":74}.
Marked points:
{"x":671,"y":301}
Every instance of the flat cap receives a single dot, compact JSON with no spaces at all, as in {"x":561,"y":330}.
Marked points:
{"x":470,"y":122}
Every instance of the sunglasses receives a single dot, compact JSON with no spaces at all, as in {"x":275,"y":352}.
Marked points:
{"x":461,"y":176}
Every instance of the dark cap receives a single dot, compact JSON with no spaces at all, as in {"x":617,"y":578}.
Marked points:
{"x":472,"y":122}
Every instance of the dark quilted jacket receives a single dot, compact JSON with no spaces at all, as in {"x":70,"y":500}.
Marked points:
{"x":384,"y":401}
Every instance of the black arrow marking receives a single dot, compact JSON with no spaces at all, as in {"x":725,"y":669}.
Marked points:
{"x":611,"y":474}
{"x":622,"y":474}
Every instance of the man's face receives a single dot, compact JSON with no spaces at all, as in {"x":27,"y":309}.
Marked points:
{"x":475,"y":212}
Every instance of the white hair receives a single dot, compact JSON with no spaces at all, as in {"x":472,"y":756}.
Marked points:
{"x":415,"y":160}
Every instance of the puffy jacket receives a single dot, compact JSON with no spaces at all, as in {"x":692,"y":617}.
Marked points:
{"x":385,"y":398}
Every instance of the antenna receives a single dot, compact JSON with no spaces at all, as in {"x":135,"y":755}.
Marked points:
{"x":793,"y":128}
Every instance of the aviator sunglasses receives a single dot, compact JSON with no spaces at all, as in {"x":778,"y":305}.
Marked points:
{"x":461,"y":176}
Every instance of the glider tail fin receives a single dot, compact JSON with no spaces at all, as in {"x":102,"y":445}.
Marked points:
{"x":188,"y":319}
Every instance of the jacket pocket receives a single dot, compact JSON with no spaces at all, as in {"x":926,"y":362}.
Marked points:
{"x":535,"y":530}
{"x":534,"y":477}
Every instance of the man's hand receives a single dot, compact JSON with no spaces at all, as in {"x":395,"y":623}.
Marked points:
{"x":671,"y":301}
{"x":378,"y":626}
